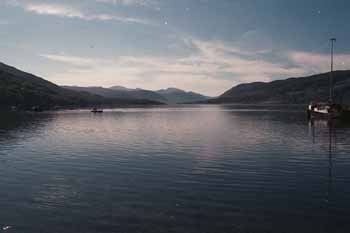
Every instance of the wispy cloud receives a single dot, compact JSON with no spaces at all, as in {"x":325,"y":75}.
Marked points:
{"x":211,"y":68}
{"x":76,"y":61}
{"x":68,"y":11}
{"x":315,"y":62}
{"x":54,"y":9}
{"x":244,"y":64}
{"x":148,"y":3}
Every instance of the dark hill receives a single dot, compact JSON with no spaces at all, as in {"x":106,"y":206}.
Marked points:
{"x":170,"y":95}
{"x":24,"y":90}
{"x":120,"y":92}
{"x":174,"y":95}
{"x":290,"y":91}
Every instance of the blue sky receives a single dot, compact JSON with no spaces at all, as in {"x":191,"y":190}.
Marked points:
{"x":206,"y":46}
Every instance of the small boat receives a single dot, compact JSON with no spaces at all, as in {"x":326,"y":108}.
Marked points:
{"x":325,"y":110}
{"x":96,"y":110}
{"x":328,"y":109}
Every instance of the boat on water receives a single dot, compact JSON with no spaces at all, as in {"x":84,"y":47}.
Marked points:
{"x":325,"y":110}
{"x":97,"y":110}
{"x":328,"y":109}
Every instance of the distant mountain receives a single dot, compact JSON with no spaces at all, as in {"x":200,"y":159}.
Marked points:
{"x":24,"y":90}
{"x":120,"y":88}
{"x":141,"y":93}
{"x":120,"y":92}
{"x":174,"y":95}
{"x":170,"y":95}
{"x":290,"y":91}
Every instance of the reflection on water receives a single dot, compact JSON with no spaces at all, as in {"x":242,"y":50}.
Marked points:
{"x":334,"y":127}
{"x":180,"y":169}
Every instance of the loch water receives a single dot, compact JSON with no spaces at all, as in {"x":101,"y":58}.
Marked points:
{"x":193,"y":168}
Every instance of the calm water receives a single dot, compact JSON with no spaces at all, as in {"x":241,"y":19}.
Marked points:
{"x":187,"y":169}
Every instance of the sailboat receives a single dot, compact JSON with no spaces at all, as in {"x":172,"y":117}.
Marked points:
{"x":328,"y":109}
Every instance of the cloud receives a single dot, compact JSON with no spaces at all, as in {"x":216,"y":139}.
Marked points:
{"x":54,"y":9}
{"x":75,"y":61}
{"x":67,"y":11}
{"x":317,"y":63}
{"x":211,"y":68}
{"x":245,"y":66}
{"x":148,"y":3}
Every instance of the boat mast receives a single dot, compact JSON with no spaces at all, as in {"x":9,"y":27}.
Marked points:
{"x":331,"y":74}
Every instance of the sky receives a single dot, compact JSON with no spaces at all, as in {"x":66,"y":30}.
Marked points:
{"x":207,"y":46}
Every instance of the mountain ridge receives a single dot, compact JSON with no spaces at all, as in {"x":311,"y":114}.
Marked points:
{"x":22,"y":90}
{"x":175,"y":95}
{"x":168,"y":96}
{"x":294,"y":90}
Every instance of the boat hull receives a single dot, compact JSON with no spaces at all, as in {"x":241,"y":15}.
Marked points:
{"x":315,"y":114}
{"x":344,"y":115}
